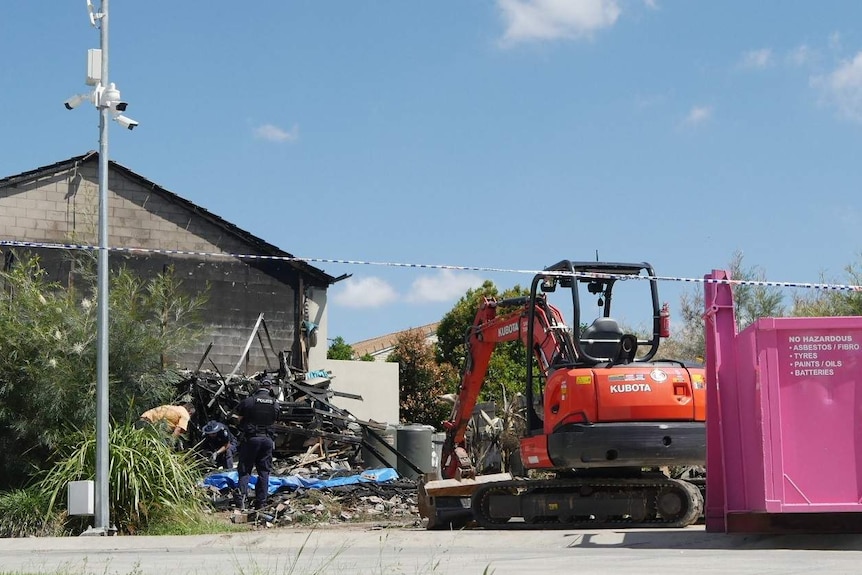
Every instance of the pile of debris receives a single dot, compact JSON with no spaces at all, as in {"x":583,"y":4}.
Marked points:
{"x":389,"y":503}
{"x":314,"y":439}
{"x":309,"y":424}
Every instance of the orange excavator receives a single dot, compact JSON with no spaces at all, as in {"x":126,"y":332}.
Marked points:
{"x":606,"y":420}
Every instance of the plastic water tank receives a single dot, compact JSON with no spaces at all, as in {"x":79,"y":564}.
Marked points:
{"x":414,"y":442}
{"x":390,"y":436}
{"x":437,"y":440}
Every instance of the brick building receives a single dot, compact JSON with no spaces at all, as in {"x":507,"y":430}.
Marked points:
{"x":58,"y":203}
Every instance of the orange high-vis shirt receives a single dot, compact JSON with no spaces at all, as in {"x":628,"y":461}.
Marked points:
{"x":175,"y":416}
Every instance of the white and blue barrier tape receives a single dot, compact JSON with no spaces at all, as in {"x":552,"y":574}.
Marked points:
{"x":762,"y":283}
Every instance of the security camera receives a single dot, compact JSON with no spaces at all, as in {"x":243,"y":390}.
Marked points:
{"x":92,"y":12}
{"x":110,"y":98}
{"x":125,"y":121}
{"x":76,"y":101}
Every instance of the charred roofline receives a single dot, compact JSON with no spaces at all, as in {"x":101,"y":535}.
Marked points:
{"x":317,"y":275}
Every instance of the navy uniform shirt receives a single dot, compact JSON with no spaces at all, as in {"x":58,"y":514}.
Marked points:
{"x":259,"y":412}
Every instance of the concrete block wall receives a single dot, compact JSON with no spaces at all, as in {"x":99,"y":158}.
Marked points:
{"x":64,"y":208}
{"x":65,"y":205}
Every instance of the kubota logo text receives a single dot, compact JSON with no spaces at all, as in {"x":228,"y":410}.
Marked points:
{"x":630,"y":387}
{"x":507,"y":329}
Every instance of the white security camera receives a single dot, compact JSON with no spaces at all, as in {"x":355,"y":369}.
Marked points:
{"x":109,"y":95}
{"x":125,"y":121}
{"x":76,"y":101}
{"x":92,"y":13}
{"x":110,"y":98}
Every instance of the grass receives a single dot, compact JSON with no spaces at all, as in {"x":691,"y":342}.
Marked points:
{"x":22,"y":514}
{"x":149,"y":482}
{"x":197,"y":524}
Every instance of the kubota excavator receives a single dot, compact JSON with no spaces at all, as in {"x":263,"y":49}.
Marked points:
{"x":603,"y":415}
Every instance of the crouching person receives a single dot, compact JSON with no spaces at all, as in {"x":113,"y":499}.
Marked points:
{"x":257,"y":413}
{"x":174,"y":419}
{"x":221,"y":442}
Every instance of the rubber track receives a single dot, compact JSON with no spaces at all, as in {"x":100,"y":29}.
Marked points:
{"x":645,"y":489}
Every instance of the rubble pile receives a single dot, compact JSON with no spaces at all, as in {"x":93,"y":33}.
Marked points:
{"x":309,"y":424}
{"x":393,"y":503}
{"x":314,"y":439}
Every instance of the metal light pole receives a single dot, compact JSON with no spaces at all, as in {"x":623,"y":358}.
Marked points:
{"x":106,"y":98}
{"x":102,"y":518}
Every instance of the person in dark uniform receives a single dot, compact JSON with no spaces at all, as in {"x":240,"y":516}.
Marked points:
{"x":257,"y":414}
{"x":221,"y":442}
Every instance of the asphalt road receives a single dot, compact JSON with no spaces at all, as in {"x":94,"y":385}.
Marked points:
{"x":357,"y":550}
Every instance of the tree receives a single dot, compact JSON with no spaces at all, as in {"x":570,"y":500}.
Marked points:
{"x":339,"y":349}
{"x":421,"y":381}
{"x":825,"y":303}
{"x":48,"y":364}
{"x":750,"y":303}
{"x":507,"y":367}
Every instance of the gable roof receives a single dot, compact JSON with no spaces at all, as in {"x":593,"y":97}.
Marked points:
{"x":382,"y":345}
{"x":258,"y":244}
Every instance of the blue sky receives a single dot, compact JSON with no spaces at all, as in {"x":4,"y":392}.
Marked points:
{"x":506,"y":134}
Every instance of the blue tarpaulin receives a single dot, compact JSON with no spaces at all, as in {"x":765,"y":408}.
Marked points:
{"x":230,"y":480}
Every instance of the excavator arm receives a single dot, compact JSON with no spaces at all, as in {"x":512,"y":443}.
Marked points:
{"x":552,"y":346}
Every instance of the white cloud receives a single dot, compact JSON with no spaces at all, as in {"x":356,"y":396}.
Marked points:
{"x":801,"y":55}
{"x":447,"y":285}
{"x":698,"y":115}
{"x":551,"y":19}
{"x":364,"y":293}
{"x":757,"y":59}
{"x":842,"y":88}
{"x":651,"y":4}
{"x":835,"y":41}
{"x":273,"y":133}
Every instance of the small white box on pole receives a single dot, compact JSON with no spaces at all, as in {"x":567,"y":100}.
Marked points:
{"x":81,"y":497}
{"x":94,"y":66}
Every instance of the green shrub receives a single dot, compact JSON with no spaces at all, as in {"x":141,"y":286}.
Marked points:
{"x":48,"y":336}
{"x":23,"y":513}
{"x":147,"y":478}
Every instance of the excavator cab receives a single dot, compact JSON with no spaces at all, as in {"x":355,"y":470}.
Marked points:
{"x":596,"y":342}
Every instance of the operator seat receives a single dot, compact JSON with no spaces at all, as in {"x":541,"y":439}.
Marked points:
{"x":608,"y":331}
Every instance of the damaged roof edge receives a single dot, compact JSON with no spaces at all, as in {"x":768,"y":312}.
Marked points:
{"x":259,"y":244}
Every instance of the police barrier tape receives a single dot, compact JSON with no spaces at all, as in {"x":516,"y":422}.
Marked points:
{"x":763,"y":283}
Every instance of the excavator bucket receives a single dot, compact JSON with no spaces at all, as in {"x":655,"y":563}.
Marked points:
{"x":446,"y":502}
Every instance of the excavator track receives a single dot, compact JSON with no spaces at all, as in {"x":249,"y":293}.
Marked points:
{"x":587,"y":503}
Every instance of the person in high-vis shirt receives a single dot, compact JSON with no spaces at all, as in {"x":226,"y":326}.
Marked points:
{"x":176,"y":418}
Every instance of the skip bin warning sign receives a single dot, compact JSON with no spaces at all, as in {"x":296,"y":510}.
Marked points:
{"x":823,"y":354}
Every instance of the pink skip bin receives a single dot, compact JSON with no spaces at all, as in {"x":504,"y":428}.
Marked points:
{"x":784,"y":420}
